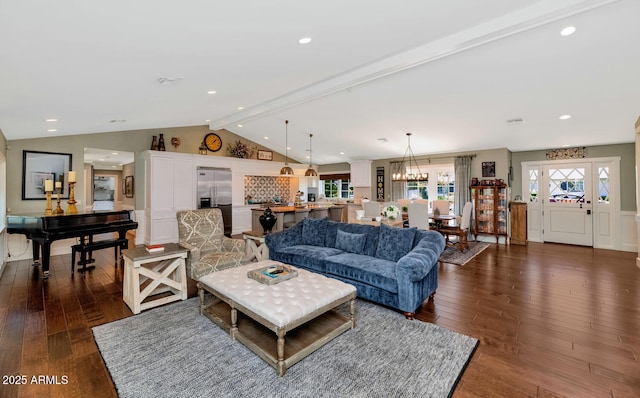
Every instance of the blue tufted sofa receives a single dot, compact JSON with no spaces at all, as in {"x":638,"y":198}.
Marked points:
{"x":396,"y":267}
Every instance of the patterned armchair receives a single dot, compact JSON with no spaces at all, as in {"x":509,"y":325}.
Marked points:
{"x":202,"y":232}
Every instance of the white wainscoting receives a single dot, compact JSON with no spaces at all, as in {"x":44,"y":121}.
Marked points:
{"x":628,"y":237}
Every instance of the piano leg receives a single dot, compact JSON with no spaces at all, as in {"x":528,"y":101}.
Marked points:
{"x":46,"y":251}
{"x":35,"y":247}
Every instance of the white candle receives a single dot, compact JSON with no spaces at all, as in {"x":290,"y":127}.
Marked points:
{"x":48,"y":185}
{"x":72,"y":176}
{"x":58,"y":184}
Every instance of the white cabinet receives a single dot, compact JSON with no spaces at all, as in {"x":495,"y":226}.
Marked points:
{"x":361,"y":173}
{"x":170,"y":186}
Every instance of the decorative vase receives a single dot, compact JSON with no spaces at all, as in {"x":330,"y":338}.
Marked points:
{"x":154,"y":143}
{"x":436,"y":212}
{"x":161,"y":146}
{"x":267,"y":220}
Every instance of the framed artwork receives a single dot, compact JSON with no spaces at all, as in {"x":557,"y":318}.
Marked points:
{"x":37,"y":167}
{"x":265,"y":155}
{"x":488,"y":169}
{"x":128,"y":186}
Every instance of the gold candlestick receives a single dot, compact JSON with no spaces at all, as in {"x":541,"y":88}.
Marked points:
{"x":58,"y":209}
{"x":72,"y":209}
{"x":47,"y":210}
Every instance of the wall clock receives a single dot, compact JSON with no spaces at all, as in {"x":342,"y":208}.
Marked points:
{"x":213,"y":142}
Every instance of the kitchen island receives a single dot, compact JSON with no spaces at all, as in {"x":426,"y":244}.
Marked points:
{"x":289,"y":215}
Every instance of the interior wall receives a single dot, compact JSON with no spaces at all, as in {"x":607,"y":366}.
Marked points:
{"x":3,"y":201}
{"x":501,"y":157}
{"x":128,"y":170}
{"x":135,"y":141}
{"x":626,"y":152}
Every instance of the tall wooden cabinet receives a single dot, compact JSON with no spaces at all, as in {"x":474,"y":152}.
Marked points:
{"x":518,"y":211}
{"x":490,"y":204}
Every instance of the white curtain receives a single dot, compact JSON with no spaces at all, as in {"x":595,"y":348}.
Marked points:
{"x":462,"y":195}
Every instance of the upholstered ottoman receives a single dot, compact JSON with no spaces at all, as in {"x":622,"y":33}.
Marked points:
{"x":300,"y":308}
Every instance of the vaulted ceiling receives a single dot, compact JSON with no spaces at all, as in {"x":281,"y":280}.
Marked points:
{"x":452,"y":72}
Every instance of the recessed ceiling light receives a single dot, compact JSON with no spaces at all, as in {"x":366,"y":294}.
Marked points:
{"x":565,"y":117}
{"x":308,"y":157}
{"x":266,"y":138}
{"x":52,"y":130}
{"x":211,"y":92}
{"x":383,"y":140}
{"x":341,"y":153}
{"x":568,"y":31}
{"x":114,"y":153}
{"x":52,"y":120}
{"x":288,"y":148}
{"x":240,"y":108}
{"x":565,"y":146}
{"x":305,"y":40}
{"x":240,"y":125}
{"x":208,"y":120}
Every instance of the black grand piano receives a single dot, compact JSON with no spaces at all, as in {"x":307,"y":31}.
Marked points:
{"x":43,"y":230}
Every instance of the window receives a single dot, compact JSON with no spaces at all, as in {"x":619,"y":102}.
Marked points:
{"x":603,"y":185}
{"x":337,"y":188}
{"x":445,"y":183}
{"x":440,"y":185}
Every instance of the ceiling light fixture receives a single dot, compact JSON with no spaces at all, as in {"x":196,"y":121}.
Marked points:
{"x":310,"y":171}
{"x":52,"y":130}
{"x":211,"y":92}
{"x":565,"y":117}
{"x":51,"y":120}
{"x":240,"y":108}
{"x":240,"y":125}
{"x":403,"y":175}
{"x":568,"y":31}
{"x":305,"y":40}
{"x":286,"y":170}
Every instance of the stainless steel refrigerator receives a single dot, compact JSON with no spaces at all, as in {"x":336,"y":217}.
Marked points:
{"x":214,"y":190}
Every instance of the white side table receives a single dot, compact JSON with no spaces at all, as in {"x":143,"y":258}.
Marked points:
{"x":255,"y":246}
{"x":148,"y":274}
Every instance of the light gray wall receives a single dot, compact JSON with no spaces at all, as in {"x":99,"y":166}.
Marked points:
{"x":135,"y":141}
{"x":626,"y":152}
{"x":501,"y":156}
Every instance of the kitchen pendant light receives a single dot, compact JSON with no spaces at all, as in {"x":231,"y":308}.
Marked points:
{"x":286,"y":170}
{"x":310,"y":171}
{"x":411,"y":176}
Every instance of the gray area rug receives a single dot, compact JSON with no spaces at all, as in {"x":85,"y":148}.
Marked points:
{"x":173,"y":351}
{"x":453,"y":255}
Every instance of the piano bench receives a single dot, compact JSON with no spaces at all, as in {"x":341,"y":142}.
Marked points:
{"x":84,"y":248}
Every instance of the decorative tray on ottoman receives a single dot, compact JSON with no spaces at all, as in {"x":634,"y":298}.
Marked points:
{"x":272,"y":274}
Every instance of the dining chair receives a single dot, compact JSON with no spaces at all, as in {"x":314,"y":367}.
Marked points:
{"x":403,"y":203}
{"x":442,"y":206}
{"x":461,"y":230}
{"x":418,"y":215}
{"x":371,"y":209}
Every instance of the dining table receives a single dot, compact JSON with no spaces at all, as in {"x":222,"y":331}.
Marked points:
{"x":439,"y":220}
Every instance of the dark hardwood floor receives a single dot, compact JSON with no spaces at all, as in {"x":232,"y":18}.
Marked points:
{"x":552,"y":320}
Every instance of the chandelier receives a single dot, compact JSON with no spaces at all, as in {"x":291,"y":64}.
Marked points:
{"x":414,"y":173}
{"x":311,"y":172}
{"x":286,"y":170}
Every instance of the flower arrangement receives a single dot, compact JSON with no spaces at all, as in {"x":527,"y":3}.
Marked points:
{"x":391,"y":212}
{"x":240,"y":150}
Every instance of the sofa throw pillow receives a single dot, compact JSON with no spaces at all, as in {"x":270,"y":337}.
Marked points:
{"x":313,"y":231}
{"x":349,"y":242}
{"x":394,"y":242}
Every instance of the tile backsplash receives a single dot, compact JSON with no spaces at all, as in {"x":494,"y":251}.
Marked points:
{"x":266,"y":189}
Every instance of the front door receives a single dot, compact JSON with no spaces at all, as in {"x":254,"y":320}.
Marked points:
{"x":567,"y":204}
